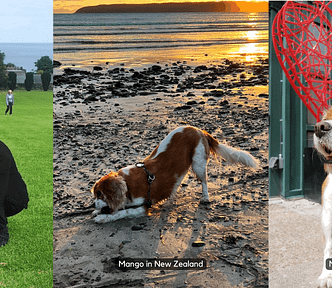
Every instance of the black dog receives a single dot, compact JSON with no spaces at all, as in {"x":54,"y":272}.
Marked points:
{"x":13,"y":191}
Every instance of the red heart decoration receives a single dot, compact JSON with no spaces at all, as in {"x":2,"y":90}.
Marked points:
{"x":302,"y":40}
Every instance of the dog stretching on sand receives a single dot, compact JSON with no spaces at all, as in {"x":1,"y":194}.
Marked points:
{"x":133,"y":189}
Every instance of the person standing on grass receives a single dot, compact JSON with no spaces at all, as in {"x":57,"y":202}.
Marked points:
{"x":9,"y":102}
{"x":13,"y":191}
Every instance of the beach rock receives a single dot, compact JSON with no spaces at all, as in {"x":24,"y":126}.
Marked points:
{"x":184,"y":107}
{"x":114,"y":71}
{"x":70,"y":71}
{"x":122,"y":93}
{"x":200,"y":68}
{"x":192,"y":102}
{"x":198,"y":244}
{"x":97,"y":68}
{"x":145,"y":93}
{"x":137,"y":75}
{"x":138,"y":227}
{"x":165,"y":77}
{"x":56,"y":64}
{"x":217,"y":93}
{"x":90,"y":98}
{"x":223,"y":102}
{"x":209,"y":94}
{"x":156,"y":68}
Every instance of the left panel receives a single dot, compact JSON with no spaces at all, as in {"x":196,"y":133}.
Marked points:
{"x":26,"y":144}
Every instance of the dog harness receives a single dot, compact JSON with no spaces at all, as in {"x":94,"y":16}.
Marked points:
{"x":328,"y":161}
{"x":150,"y":178}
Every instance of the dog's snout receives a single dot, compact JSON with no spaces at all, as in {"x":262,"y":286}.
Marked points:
{"x":322,"y":128}
{"x":106,"y":210}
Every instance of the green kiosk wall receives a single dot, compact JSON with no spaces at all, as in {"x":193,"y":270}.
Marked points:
{"x":295,"y":169}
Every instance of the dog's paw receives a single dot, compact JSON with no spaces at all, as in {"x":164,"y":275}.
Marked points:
{"x":95,"y":212}
{"x":325,"y":280}
{"x":100,"y":204}
{"x":102,"y":218}
{"x":205,"y":200}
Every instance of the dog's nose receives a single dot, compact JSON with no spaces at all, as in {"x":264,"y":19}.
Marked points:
{"x":322,"y":128}
{"x":106,"y":210}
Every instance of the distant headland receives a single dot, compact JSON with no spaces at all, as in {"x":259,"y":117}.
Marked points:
{"x":221,"y":6}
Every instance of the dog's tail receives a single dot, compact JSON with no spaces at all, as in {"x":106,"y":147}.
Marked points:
{"x":231,"y":154}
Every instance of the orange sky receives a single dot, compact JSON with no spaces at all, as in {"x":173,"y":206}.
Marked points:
{"x":70,"y":6}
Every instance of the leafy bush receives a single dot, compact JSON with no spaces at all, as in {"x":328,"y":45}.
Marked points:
{"x":12,"y":78}
{"x":44,"y":64}
{"x":46,"y":80}
{"x":3,"y":75}
{"x":28,"y":83}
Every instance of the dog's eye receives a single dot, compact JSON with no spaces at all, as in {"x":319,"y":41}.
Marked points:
{"x":98,"y":194}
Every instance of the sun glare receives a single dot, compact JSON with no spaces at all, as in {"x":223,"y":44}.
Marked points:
{"x":252,"y":35}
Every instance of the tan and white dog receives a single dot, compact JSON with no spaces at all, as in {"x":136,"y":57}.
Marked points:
{"x":323,"y":144}
{"x":131,"y":191}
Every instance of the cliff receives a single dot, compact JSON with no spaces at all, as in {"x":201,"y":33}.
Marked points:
{"x":163,"y":7}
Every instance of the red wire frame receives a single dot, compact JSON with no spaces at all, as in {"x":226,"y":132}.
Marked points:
{"x":306,"y":58}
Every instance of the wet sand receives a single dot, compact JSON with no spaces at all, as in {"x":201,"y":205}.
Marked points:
{"x":107,"y":119}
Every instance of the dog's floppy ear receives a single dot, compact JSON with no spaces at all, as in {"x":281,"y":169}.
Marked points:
{"x":93,"y":189}
{"x":113,"y":189}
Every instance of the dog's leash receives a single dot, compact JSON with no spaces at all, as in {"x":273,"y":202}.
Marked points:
{"x":150,"y":177}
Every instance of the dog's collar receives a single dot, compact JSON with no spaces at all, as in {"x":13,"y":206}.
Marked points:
{"x":150,"y":178}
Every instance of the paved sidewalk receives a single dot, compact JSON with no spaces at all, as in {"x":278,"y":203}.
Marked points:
{"x":296,"y":243}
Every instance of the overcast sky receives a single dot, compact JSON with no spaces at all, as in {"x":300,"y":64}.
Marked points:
{"x":26,"y":21}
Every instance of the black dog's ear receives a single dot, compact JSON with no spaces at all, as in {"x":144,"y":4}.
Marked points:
{"x":106,"y":210}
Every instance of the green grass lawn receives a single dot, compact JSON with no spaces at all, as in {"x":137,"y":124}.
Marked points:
{"x":27,"y":259}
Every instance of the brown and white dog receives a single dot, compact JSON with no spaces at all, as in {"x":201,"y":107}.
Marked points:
{"x":159,"y":177}
{"x":323,"y":144}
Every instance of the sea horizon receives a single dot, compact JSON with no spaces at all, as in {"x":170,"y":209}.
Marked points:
{"x":26,"y":54}
{"x":139,"y":39}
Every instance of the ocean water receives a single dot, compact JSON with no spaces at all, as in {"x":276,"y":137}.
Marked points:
{"x":26,"y":54}
{"x":136,"y":39}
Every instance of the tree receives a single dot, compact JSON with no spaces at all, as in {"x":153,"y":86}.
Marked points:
{"x":10,"y":65}
{"x":28,"y":83}
{"x":12,"y":77}
{"x":45,"y":64}
{"x":3,"y":76}
{"x":46,"y":80}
